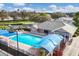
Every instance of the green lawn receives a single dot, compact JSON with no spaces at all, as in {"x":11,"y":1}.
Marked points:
{"x":4,"y":26}
{"x":16,"y":22}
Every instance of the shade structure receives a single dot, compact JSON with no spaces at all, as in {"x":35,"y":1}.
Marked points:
{"x":51,"y":41}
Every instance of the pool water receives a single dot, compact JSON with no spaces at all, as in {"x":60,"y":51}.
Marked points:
{"x":28,"y":39}
{"x":6,"y":33}
{"x":9,"y":34}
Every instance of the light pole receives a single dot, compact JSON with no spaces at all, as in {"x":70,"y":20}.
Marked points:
{"x":17,"y":41}
{"x":16,"y":38}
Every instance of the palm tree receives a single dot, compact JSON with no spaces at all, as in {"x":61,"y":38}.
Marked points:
{"x":23,"y":14}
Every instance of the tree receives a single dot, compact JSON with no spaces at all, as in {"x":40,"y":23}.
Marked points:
{"x":57,"y":15}
{"x":3,"y":15}
{"x":23,"y":14}
{"x":76,"y":22}
{"x":76,"y":19}
{"x":40,"y":17}
{"x":14,"y":15}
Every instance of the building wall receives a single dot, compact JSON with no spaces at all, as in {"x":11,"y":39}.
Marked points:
{"x":33,"y":30}
{"x":62,"y":32}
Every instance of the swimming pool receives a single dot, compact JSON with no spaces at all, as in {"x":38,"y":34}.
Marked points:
{"x":28,"y":39}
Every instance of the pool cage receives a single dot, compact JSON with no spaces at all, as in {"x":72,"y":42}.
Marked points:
{"x":52,"y":44}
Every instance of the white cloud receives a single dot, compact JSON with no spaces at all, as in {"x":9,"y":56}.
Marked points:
{"x":1,"y":5}
{"x":24,"y":8}
{"x":15,"y":9}
{"x":19,"y":4}
{"x":52,"y":6}
{"x":28,"y":9}
{"x":70,"y":6}
{"x":50,"y":9}
{"x":43,"y":10}
{"x":66,"y":9}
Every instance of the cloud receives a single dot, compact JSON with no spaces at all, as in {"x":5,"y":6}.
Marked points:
{"x":28,"y":9}
{"x":15,"y":9}
{"x":71,"y":8}
{"x":1,"y":5}
{"x":52,"y":6}
{"x":65,"y":9}
{"x":42,"y":10}
{"x":19,"y":4}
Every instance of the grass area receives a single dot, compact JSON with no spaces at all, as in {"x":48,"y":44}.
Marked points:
{"x":16,"y":22}
{"x":3,"y":24}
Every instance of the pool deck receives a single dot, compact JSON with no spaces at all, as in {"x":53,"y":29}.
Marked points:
{"x":26,"y":49}
{"x":11,"y":51}
{"x":4,"y":53}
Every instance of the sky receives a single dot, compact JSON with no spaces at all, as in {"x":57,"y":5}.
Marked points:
{"x":41,"y":7}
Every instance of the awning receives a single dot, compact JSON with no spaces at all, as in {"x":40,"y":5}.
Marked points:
{"x":51,"y":41}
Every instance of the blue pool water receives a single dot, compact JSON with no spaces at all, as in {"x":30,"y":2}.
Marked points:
{"x":6,"y":33}
{"x":9,"y":34}
{"x":28,"y":39}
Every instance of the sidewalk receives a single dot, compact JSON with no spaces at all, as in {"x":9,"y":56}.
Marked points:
{"x":73,"y":49}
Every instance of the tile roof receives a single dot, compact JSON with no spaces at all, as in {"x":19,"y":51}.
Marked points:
{"x":51,"y":25}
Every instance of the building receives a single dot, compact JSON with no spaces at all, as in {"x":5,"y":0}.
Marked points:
{"x":62,"y":28}
{"x":7,"y":19}
{"x":66,"y":19}
{"x":58,"y":27}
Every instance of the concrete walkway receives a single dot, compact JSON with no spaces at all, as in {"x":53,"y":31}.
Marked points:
{"x":73,"y":49}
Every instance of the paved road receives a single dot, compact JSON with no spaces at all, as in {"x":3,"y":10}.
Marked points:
{"x":73,"y":49}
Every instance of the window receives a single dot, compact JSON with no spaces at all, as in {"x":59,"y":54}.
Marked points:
{"x":46,"y":31}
